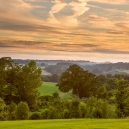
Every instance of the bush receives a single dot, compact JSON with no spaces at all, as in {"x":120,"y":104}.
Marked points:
{"x":12,"y":111}
{"x":82,"y":109}
{"x":74,"y":109}
{"x":45,"y":114}
{"x":66,"y":114}
{"x":3,"y":110}
{"x":98,"y":108}
{"x":53,"y":113}
{"x":22,"y":111}
{"x":35,"y":116}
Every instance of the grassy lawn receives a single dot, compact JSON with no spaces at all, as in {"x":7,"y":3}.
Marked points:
{"x":67,"y":124}
{"x":48,"y":88}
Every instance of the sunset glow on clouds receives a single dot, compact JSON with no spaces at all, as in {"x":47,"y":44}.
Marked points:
{"x":96,"y":30}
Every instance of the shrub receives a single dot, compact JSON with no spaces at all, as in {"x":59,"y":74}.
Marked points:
{"x":74,"y":109}
{"x":22,"y":111}
{"x":83,"y":109}
{"x":35,"y":116}
{"x":66,"y":114}
{"x":45,"y":114}
{"x":12,"y":111}
{"x":3,"y":110}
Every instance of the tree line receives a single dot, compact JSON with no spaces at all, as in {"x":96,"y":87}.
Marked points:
{"x":103,"y":96}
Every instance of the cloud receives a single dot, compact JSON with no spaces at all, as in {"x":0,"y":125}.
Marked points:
{"x":18,"y":12}
{"x":79,"y":7}
{"x":64,"y":47}
{"x":117,"y":2}
{"x":57,"y":7}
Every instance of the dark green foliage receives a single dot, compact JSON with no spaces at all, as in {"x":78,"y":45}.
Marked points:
{"x":22,"y":111}
{"x":66,"y":114}
{"x":98,"y":108}
{"x":102,"y":78}
{"x":29,"y":81}
{"x":35,"y":116}
{"x":12,"y":107}
{"x":122,"y":97}
{"x":3,"y":110}
{"x":102,"y":92}
{"x":20,"y":83}
{"x":82,"y":109}
{"x":74,"y":109}
{"x":111,"y":84}
{"x":56,"y":95}
{"x":45,"y":114}
{"x":54,"y":113}
{"x":5,"y":65}
{"x":82,"y":83}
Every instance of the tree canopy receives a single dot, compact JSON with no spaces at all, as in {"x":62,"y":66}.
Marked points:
{"x":19,"y":83}
{"x":80,"y":82}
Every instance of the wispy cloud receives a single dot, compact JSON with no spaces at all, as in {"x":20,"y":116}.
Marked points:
{"x":118,"y":2}
{"x":57,"y":7}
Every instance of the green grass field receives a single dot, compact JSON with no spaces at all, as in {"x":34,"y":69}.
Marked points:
{"x":48,"y":88}
{"x":67,"y":124}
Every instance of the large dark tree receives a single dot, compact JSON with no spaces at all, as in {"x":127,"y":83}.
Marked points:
{"x":80,"y":82}
{"x":20,"y":83}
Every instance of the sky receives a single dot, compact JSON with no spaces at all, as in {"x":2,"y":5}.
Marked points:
{"x":93,"y":30}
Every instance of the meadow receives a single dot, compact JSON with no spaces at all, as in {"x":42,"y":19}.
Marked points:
{"x":67,"y":124}
{"x":48,"y":88}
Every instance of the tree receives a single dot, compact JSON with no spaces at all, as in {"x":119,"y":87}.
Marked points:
{"x":81,"y":82}
{"x":29,"y":79}
{"x":22,"y":111}
{"x":19,"y":83}
{"x":111,"y":84}
{"x":122,"y":99}
{"x":5,"y":65}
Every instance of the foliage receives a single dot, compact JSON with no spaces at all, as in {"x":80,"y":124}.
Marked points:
{"x":81,"y":82}
{"x":45,"y":114}
{"x":82,"y":109}
{"x":122,"y":97}
{"x":20,"y":83}
{"x":35,"y":116}
{"x":102,"y":92}
{"x":97,"y":108}
{"x":5,"y":65}
{"x":66,"y":114}
{"x":3,"y":110}
{"x":74,"y":109}
{"x":29,"y":81}
{"x":22,"y":111}
{"x":12,"y":107}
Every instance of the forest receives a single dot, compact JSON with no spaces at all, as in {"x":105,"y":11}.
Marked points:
{"x":93,"y":96}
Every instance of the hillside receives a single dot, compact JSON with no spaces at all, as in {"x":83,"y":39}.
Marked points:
{"x":48,"y":88}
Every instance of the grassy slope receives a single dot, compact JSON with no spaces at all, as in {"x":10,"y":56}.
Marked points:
{"x":48,"y":88}
{"x":67,"y":124}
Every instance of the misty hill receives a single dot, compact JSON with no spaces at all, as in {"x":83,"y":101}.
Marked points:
{"x":59,"y":66}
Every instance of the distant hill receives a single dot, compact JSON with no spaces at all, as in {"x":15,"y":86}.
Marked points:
{"x":58,"y":66}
